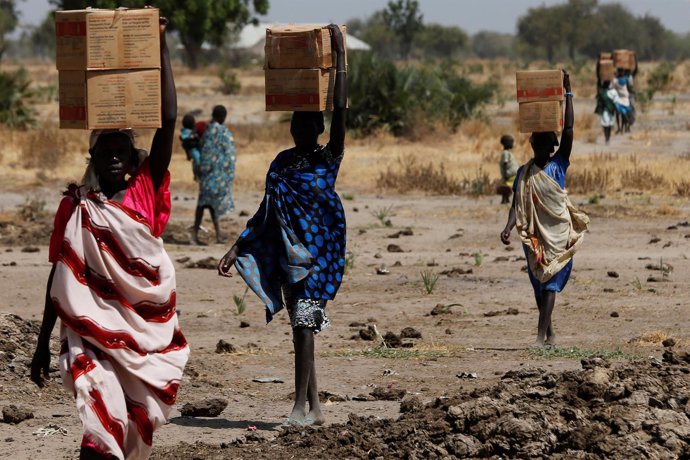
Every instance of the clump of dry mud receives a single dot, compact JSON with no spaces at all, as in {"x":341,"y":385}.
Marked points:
{"x":630,"y":410}
{"x":17,"y":344}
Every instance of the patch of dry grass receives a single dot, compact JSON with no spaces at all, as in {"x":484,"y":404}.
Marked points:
{"x":436,"y":162}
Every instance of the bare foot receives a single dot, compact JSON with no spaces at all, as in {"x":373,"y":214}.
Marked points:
{"x":551,"y":340}
{"x":194,"y":241}
{"x":315,"y":417}
{"x":297,"y":416}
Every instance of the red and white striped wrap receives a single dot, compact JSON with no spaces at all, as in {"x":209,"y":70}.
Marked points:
{"x":122,"y":353}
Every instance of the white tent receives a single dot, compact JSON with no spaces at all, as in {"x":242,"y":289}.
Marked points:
{"x":253,"y":37}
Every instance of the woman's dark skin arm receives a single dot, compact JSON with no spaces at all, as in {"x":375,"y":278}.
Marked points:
{"x":337,"y":141}
{"x":566,"y":144}
{"x":505,"y":234}
{"x":162,"y":145}
{"x":40,"y":364}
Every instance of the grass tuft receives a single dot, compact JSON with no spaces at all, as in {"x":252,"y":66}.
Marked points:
{"x":429,"y":278}
{"x":437,"y":351}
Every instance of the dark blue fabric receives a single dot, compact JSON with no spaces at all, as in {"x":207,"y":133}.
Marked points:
{"x":298,"y":234}
{"x":556,"y":283}
{"x":556,"y":169}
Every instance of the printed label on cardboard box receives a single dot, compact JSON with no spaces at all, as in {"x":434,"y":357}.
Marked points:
{"x":300,"y":47}
{"x":539,"y":85}
{"x":110,"y":99}
{"x":105,"y":39}
{"x":299,"y":89}
{"x":541,"y":116}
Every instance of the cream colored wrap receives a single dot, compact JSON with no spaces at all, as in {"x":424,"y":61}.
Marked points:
{"x":547,"y":222}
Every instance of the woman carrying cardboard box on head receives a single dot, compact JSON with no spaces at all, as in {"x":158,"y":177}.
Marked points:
{"x":548,"y":225}
{"x":292,"y":253}
{"x":113,"y":287}
{"x":606,"y":107}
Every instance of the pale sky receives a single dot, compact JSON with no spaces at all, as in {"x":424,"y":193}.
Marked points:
{"x":471,"y":15}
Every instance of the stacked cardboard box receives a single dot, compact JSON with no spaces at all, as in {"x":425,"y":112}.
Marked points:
{"x":299,"y":68}
{"x":109,"y":68}
{"x":607,"y":70}
{"x":624,"y":59}
{"x":540,"y":96}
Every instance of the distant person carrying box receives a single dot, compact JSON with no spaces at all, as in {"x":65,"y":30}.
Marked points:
{"x":292,"y":253}
{"x":548,"y":225}
{"x":113,"y":287}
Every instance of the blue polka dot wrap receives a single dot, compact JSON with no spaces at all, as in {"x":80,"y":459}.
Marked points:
{"x":298,"y":234}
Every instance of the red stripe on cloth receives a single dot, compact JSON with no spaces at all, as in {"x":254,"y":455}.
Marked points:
{"x":544,"y":92}
{"x":178,"y":342}
{"x":292,"y":99}
{"x":110,"y":424}
{"x":139,"y":415}
{"x":107,"y":242}
{"x":134,"y":215}
{"x":167,"y":394}
{"x":108,"y":290}
{"x":81,"y":365}
{"x":86,"y":327}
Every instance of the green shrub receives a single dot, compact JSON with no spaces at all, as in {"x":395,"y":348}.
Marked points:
{"x":229,"y":84}
{"x":658,"y":80}
{"x":14,"y":94}
{"x":410,"y":99}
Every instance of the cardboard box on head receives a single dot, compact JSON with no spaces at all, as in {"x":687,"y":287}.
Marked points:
{"x":110,"y":99}
{"x":607,"y":70}
{"x":300,"y":47}
{"x":536,"y":117}
{"x":624,"y":59}
{"x":302,"y":90}
{"x":95,"y":39}
{"x":109,"y":68}
{"x":539,"y":85}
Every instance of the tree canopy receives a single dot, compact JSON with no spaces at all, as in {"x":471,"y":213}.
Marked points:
{"x":404,"y":19}
{"x":197,"y":21}
{"x":586,"y":27}
{"x":9,"y":19}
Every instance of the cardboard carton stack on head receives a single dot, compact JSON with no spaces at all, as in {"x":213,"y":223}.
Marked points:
{"x":109,"y":68}
{"x":607,"y":70}
{"x":624,"y":59}
{"x":540,"y":97}
{"x":299,"y":68}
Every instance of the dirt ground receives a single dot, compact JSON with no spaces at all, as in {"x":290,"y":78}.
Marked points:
{"x":626,"y":316}
{"x":470,"y":385}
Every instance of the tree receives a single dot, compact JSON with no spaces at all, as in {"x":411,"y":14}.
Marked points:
{"x":8,"y":22}
{"x":197,"y":21}
{"x":616,"y":27}
{"x":490,"y":45}
{"x":404,"y":19}
{"x":42,"y":38}
{"x":541,"y":28}
{"x":438,"y":41}
{"x":577,"y":23}
{"x":376,"y":33}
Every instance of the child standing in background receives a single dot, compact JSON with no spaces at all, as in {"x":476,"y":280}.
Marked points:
{"x":509,"y":168}
{"x":191,"y":142}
